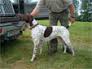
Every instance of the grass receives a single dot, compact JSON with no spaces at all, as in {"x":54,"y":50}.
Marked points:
{"x":16,"y":55}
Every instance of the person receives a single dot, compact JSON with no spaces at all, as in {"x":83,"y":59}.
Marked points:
{"x":59,"y":10}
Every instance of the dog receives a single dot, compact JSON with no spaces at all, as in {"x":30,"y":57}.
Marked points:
{"x":41,"y":34}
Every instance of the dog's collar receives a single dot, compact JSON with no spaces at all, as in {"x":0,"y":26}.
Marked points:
{"x":34,"y":26}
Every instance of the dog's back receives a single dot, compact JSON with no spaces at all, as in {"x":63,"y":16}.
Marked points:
{"x":57,"y":31}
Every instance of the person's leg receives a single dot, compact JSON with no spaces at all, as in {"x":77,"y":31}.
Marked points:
{"x":63,"y":18}
{"x":53,"y":43}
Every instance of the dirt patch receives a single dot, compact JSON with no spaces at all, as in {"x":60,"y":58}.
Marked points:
{"x":20,"y":65}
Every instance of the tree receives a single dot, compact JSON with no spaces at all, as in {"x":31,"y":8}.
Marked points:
{"x":85,"y":10}
{"x":76,"y":4}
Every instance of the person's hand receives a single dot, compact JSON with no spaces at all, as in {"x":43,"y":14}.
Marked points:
{"x":72,"y":19}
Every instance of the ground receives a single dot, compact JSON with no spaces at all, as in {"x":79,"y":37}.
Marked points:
{"x":16,"y":54}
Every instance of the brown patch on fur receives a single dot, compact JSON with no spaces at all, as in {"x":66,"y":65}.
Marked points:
{"x":25,"y":17}
{"x":48,"y":31}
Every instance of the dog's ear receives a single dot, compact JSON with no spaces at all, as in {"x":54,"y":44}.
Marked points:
{"x":26,"y":17}
{"x":30,"y":20}
{"x":30,"y":17}
{"x":23,"y":17}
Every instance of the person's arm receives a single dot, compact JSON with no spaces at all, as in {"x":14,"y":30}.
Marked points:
{"x":72,"y":13}
{"x":72,"y":10}
{"x":36,"y":10}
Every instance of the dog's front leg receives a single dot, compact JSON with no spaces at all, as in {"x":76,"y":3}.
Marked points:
{"x":36,"y":44}
{"x":40,"y":49}
{"x":34,"y":53}
{"x":40,"y":46}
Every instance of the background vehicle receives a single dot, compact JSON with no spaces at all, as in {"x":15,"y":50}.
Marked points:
{"x":10,"y":26}
{"x":26,"y":6}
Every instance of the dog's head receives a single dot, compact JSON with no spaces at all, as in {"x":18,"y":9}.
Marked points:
{"x":26,"y":17}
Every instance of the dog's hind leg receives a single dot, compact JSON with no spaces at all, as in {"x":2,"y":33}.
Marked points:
{"x":65,"y":48}
{"x":63,"y":44}
{"x":68,"y":47}
{"x":67,"y":44}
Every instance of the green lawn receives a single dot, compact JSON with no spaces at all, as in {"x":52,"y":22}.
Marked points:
{"x":16,"y":55}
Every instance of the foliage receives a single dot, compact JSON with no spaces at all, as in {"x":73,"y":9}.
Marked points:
{"x":85,"y":15}
{"x":76,"y":5}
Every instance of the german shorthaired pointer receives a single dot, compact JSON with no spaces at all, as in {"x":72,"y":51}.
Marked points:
{"x":41,"y":34}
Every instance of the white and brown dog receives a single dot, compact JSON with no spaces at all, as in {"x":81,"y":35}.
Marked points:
{"x":41,"y":34}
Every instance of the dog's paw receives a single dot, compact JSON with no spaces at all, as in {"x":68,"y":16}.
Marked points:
{"x":31,"y":60}
{"x":73,"y":54}
{"x":64,"y":52}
